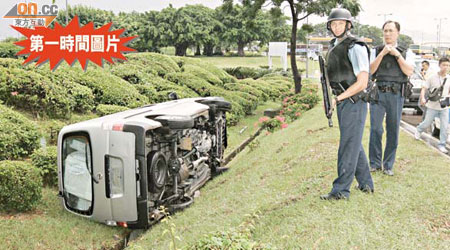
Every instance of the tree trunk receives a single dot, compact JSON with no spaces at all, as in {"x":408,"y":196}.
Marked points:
{"x":208,"y":49}
{"x":197,"y":51}
{"x":295,"y":73}
{"x":218,"y":51}
{"x":180,"y":49}
{"x":241,"y":49}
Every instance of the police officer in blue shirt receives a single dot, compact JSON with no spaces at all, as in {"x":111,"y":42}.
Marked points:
{"x":391,"y":66}
{"x":348,"y":73}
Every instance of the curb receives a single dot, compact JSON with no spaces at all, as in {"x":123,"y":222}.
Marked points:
{"x":428,"y":139}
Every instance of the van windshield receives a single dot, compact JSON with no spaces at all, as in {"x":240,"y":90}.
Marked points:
{"x":77,"y":169}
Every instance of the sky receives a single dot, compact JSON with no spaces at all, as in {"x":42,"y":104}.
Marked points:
{"x":418,"y":18}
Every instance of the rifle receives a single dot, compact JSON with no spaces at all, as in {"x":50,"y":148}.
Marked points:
{"x":326,"y":89}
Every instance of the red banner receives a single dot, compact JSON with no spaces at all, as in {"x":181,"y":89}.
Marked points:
{"x":73,"y":43}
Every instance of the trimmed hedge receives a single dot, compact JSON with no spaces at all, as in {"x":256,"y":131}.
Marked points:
{"x":221,"y":74}
{"x":203,"y":73}
{"x":10,"y":62}
{"x":9,"y":50}
{"x":131,"y":73}
{"x":267,"y":91}
{"x":163,"y":87}
{"x":107,"y":88}
{"x":32,"y":91}
{"x":18,"y":135}
{"x":45,"y":161}
{"x":81,"y":97}
{"x":200,"y":86}
{"x":20,"y":186}
{"x":162,"y":64}
{"x":248,"y":72}
{"x":247,"y":89}
{"x":105,"y":109}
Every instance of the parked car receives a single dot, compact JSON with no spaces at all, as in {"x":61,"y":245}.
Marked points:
{"x":121,"y":168}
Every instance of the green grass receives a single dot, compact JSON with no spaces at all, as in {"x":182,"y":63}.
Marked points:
{"x":283,"y":178}
{"x":51,"y":227}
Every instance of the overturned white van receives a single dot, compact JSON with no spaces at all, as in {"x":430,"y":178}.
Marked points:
{"x":119,"y":169}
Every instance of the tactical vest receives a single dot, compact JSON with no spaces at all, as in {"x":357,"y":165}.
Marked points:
{"x":389,"y":69}
{"x":339,"y":66}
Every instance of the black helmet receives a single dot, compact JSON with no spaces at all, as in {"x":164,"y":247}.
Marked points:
{"x":339,"y":14}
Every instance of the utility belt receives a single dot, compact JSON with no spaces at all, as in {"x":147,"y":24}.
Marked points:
{"x":394,"y":88}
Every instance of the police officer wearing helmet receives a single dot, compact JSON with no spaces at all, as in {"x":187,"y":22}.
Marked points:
{"x":348,"y":73}
{"x":391,"y":66}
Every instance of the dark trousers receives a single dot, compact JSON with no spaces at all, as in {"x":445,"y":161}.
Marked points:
{"x":391,"y":105}
{"x":352,"y":160}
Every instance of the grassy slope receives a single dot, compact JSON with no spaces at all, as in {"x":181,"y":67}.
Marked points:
{"x":235,"y":138}
{"x":283,"y":179}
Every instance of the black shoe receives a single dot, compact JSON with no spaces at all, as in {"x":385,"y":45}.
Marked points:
{"x":366,"y":189}
{"x":374,"y":169}
{"x":330,"y":196}
{"x":388,"y":172}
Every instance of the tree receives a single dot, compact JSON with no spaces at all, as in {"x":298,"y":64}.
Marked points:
{"x":301,"y":9}
{"x":186,"y":26}
{"x":85,"y":15}
{"x":242,"y":25}
{"x":148,"y":31}
{"x":279,"y":30}
{"x":405,"y":41}
{"x":367,"y":31}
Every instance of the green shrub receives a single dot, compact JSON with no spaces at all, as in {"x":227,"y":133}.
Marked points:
{"x":32,"y":91}
{"x":131,"y":73}
{"x":247,"y":89}
{"x":20,"y":186}
{"x":163,"y":87}
{"x":203,"y":74}
{"x":281,"y":83}
{"x":295,"y":104}
{"x":81,"y":97}
{"x":200,"y":86}
{"x":255,"y":73}
{"x":51,"y":129}
{"x":9,"y":50}
{"x":10,"y":62}
{"x":107,"y":88}
{"x":221,"y":74}
{"x":267,"y":92}
{"x":44,"y":159}
{"x":148,"y":91}
{"x":18,"y":135}
{"x":160,"y":63}
{"x":105,"y":109}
